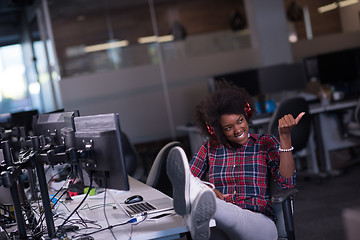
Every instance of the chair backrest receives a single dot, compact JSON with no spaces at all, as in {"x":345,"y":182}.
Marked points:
{"x":157,"y":177}
{"x":300,"y":133}
{"x":130,"y":154}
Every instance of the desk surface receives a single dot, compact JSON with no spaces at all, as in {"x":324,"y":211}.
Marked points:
{"x":93,"y":209}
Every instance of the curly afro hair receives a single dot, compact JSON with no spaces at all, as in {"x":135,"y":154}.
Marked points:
{"x":227,"y":99}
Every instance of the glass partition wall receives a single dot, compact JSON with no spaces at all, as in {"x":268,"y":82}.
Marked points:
{"x":108,"y":35}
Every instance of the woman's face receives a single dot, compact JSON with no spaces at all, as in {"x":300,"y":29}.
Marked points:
{"x":235,"y":128}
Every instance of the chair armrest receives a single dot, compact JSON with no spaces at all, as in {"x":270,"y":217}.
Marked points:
{"x":283,"y":195}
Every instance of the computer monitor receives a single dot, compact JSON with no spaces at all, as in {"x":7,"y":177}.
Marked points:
{"x":340,"y":69}
{"x":247,"y":79}
{"x":50,"y":125}
{"x":282,"y":77}
{"x":266,"y":80}
{"x":23,"y":119}
{"x":99,"y":137}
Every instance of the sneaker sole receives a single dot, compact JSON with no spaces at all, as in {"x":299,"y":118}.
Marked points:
{"x":203,"y":210}
{"x":178,"y":172}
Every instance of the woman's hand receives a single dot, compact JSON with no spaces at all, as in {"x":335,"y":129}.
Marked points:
{"x":219,"y":195}
{"x":287,"y":123}
{"x":287,"y":163}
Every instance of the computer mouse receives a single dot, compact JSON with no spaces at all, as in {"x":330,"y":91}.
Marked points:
{"x":134,"y":199}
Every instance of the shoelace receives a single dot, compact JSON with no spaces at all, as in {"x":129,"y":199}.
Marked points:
{"x":204,"y":183}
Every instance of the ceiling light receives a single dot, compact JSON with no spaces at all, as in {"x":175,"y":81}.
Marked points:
{"x":150,"y":39}
{"x":105,"y":46}
{"x":328,"y":7}
{"x":334,"y":5}
{"x":347,"y":3}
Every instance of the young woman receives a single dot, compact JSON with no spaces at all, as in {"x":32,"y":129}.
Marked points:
{"x":237,"y":165}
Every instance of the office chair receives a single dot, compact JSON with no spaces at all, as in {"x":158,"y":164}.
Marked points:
{"x":353,"y":128}
{"x":130,"y":154}
{"x":282,"y":201}
{"x":157,"y":177}
{"x":300,"y":133}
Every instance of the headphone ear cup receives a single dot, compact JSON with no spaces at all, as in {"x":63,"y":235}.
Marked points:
{"x":210,"y":129}
{"x":248,"y":110}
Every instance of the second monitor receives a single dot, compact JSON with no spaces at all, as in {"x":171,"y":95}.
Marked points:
{"x":98,"y":140}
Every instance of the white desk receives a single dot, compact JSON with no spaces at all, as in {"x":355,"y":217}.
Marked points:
{"x":327,"y":131}
{"x":167,"y":228}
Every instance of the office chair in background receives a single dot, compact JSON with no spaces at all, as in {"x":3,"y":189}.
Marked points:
{"x":157,"y":177}
{"x":300,"y":135}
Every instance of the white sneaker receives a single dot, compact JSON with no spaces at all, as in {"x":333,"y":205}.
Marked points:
{"x":182,"y":180}
{"x":202,"y":210}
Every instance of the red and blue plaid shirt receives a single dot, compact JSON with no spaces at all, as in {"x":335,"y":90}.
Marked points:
{"x":243,"y":172}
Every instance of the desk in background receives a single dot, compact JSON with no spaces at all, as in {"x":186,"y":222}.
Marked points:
{"x":167,"y":228}
{"x":325,"y":132}
{"x":328,"y":136}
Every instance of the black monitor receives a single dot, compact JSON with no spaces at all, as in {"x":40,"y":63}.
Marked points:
{"x":23,"y":119}
{"x":282,"y":77}
{"x":247,"y":79}
{"x":339,"y":67}
{"x":99,"y":136}
{"x":267,"y":80}
{"x":50,"y":125}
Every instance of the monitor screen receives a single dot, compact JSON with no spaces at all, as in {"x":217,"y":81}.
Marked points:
{"x":50,"y":125}
{"x":23,"y":119}
{"x":247,"y":79}
{"x":267,"y":80}
{"x":282,"y":77}
{"x":100,"y":137}
{"x":338,"y":67}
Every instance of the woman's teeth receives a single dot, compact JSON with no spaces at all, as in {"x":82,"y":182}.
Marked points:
{"x":241,"y":135}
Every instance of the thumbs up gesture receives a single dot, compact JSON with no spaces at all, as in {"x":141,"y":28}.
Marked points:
{"x":288,"y":122}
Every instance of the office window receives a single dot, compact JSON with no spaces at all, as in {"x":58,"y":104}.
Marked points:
{"x":14,"y":94}
{"x":42,"y":88}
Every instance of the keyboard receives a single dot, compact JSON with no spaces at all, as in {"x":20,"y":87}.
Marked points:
{"x":141,"y":207}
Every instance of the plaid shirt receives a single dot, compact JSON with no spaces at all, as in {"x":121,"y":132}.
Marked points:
{"x":243,"y":172}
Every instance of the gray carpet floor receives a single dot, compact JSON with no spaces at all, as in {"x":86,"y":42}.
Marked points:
{"x":320,"y":204}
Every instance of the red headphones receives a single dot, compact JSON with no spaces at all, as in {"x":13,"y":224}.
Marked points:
{"x":248,"y":112}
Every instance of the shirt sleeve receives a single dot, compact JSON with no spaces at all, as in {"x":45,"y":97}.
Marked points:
{"x":199,"y":164}
{"x":273,"y":146}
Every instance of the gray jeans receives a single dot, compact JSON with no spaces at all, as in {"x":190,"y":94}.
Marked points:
{"x":242,"y":224}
